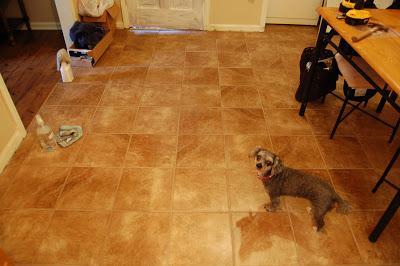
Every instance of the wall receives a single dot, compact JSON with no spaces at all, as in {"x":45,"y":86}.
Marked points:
{"x":236,"y":14}
{"x":8,"y":126}
{"x":42,"y":13}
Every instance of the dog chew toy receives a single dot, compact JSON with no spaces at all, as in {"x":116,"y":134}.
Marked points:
{"x":64,"y":65}
{"x":68,"y":135}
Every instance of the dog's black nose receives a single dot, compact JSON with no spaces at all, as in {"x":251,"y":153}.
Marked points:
{"x":259,"y":165}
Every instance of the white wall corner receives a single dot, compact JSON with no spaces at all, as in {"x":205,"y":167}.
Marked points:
{"x":234,"y":27}
{"x":68,"y":14}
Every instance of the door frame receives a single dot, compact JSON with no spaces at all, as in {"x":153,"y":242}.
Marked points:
{"x":20,"y":132}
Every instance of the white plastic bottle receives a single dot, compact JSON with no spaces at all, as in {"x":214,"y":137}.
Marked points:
{"x":45,"y":135}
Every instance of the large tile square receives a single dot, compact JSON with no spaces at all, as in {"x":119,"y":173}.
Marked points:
{"x":201,"y":95}
{"x":113,"y":119}
{"x":243,"y":121}
{"x":129,"y":75}
{"x":238,"y":148}
{"x":99,"y":150}
{"x":355,"y":186}
{"x":76,"y":94}
{"x":200,"y":44}
{"x":236,"y":76}
{"x":201,"y":151}
{"x":246,"y":191}
{"x":201,"y":59}
{"x":90,"y":188}
{"x":35,"y":187}
{"x":137,"y":239}
{"x":323,"y":120}
{"x":263,"y":239}
{"x":121,"y":95}
{"x":379,"y":151}
{"x":298,"y":151}
{"x":161,"y":95}
{"x":286,"y":122}
{"x":192,"y":235}
{"x":342,"y":152}
{"x":278,"y":95}
{"x":21,"y":233}
{"x":231,"y":45}
{"x":151,"y":151}
{"x":234,"y":59}
{"x":156,"y":120}
{"x":135,"y":58}
{"x":168,"y":58}
{"x":164,"y":75}
{"x":92,"y":75}
{"x":199,"y":120}
{"x":240,"y":96}
{"x":73,"y":237}
{"x":334,"y":246}
{"x":144,"y":189}
{"x":200,"y":190}
{"x":201,"y":76}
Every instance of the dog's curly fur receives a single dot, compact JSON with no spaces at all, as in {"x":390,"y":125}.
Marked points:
{"x":280,"y":180}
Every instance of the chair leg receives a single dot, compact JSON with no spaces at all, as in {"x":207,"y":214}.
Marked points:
{"x":396,"y":127}
{"x":387,"y":170}
{"x":339,"y":118}
{"x":24,"y":15}
{"x":381,"y":104}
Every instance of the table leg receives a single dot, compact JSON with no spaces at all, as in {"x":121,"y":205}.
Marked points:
{"x":385,"y":219}
{"x":313,"y":67}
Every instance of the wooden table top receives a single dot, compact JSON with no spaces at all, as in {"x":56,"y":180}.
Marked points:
{"x":380,"y":50}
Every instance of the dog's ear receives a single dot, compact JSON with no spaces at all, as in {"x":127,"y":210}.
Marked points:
{"x":277,"y":166}
{"x":254,"y":152}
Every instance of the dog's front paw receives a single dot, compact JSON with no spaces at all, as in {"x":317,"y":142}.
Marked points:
{"x":269,"y":207}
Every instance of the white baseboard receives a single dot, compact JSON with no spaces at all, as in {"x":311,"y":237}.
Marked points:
{"x":294,"y":21}
{"x":47,"y":25}
{"x":229,"y":27}
{"x":11,"y":147}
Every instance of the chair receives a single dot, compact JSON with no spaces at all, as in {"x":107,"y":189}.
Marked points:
{"x":357,"y":89}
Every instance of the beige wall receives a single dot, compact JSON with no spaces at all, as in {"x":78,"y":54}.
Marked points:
{"x":235,"y":12}
{"x":8,"y":126}
{"x":38,"y":10}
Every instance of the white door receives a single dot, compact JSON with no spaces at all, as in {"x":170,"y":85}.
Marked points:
{"x":12,"y":130}
{"x":169,"y":14}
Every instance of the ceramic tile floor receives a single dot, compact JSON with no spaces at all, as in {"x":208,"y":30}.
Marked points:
{"x":162,"y":177}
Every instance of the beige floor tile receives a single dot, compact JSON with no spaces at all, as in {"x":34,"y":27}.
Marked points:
{"x":243,"y":121}
{"x":35,"y":187}
{"x":201,"y":95}
{"x":168,"y":58}
{"x":278,"y":95}
{"x":322,"y":122}
{"x":356,"y":185}
{"x":99,"y":150}
{"x":76,"y":94}
{"x":151,"y":151}
{"x":385,"y":250}
{"x":164,"y":75}
{"x":156,"y":120}
{"x":240,"y":96}
{"x":21,"y":233}
{"x":171,"y":45}
{"x":201,"y":151}
{"x":112,"y":119}
{"x":73,"y":237}
{"x":263,"y":239}
{"x":286,"y":122}
{"x":135,"y":58}
{"x":379,"y":151}
{"x":230,"y":45}
{"x":200,"y":76}
{"x":161,"y":95}
{"x":144,"y":189}
{"x":200,"y":44}
{"x":121,"y":95}
{"x":335,"y":245}
{"x":298,"y":151}
{"x":234,"y":59}
{"x":236,"y":76}
{"x":239,"y":147}
{"x":200,"y":120}
{"x":137,"y":239}
{"x":92,"y":75}
{"x":246,"y":191}
{"x":192,"y":235}
{"x":201,"y":59}
{"x":90,"y":188}
{"x":200,"y":190}
{"x":129,"y":75}
{"x":342,"y":152}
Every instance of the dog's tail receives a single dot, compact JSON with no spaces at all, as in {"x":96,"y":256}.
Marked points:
{"x":343,"y":206}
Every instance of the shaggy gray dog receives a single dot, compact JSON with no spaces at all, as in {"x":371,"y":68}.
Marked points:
{"x":280,"y":180}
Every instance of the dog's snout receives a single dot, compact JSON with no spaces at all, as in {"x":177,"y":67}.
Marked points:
{"x":259,"y":165}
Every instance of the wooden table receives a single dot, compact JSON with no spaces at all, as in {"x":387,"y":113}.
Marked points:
{"x":382,"y":52}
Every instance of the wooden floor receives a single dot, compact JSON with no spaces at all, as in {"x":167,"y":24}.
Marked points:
{"x":29,"y":69}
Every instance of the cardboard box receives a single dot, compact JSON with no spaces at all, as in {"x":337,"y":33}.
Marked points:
{"x":88,"y":58}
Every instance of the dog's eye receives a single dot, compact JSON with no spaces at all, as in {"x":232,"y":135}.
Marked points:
{"x":258,"y":157}
{"x":268,"y":163}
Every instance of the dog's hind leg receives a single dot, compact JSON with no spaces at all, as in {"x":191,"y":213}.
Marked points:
{"x":319,"y":211}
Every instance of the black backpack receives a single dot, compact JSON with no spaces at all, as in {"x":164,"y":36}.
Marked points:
{"x":326,"y":75}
